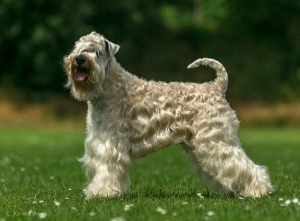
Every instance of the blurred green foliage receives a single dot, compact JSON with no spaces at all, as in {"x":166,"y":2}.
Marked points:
{"x":257,"y":41}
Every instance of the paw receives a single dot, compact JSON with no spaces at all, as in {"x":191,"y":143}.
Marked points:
{"x":96,"y":192}
{"x":257,"y":193}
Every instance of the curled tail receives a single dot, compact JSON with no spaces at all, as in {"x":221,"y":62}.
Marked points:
{"x":222,"y":78}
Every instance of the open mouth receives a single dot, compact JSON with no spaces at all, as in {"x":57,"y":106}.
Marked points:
{"x":81,"y":74}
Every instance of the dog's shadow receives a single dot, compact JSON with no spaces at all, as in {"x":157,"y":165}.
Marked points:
{"x":157,"y":194}
{"x":163,"y":193}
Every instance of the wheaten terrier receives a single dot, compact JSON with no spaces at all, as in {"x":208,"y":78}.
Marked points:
{"x":129,"y":117}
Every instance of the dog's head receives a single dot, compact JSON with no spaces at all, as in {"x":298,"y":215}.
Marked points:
{"x":87,"y":64}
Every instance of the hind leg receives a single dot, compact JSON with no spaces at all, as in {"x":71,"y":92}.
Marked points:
{"x":224,"y":166}
{"x":205,"y":177}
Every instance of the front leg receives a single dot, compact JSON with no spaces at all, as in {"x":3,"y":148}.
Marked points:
{"x":109,"y":164}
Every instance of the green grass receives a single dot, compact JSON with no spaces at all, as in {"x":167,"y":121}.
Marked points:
{"x":39,"y":175}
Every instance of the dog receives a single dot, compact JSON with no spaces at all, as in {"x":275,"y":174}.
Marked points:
{"x":129,"y":117}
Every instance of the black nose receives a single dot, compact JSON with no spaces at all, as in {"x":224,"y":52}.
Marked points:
{"x":80,"y":60}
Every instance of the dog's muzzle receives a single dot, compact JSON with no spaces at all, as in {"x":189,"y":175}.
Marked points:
{"x":80,"y":60}
{"x":81,"y":72}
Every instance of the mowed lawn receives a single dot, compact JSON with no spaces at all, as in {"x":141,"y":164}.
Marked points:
{"x":40,"y":178}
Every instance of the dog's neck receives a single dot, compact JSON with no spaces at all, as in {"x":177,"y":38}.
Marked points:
{"x":118,"y":81}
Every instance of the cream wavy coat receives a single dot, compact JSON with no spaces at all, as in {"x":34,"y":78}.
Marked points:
{"x":129,"y":117}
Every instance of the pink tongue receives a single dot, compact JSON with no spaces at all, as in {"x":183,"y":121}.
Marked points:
{"x":80,"y":75}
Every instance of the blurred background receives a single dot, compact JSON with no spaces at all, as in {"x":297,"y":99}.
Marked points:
{"x":257,"y":41}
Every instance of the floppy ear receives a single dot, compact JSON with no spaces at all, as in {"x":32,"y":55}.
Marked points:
{"x":111,"y":48}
